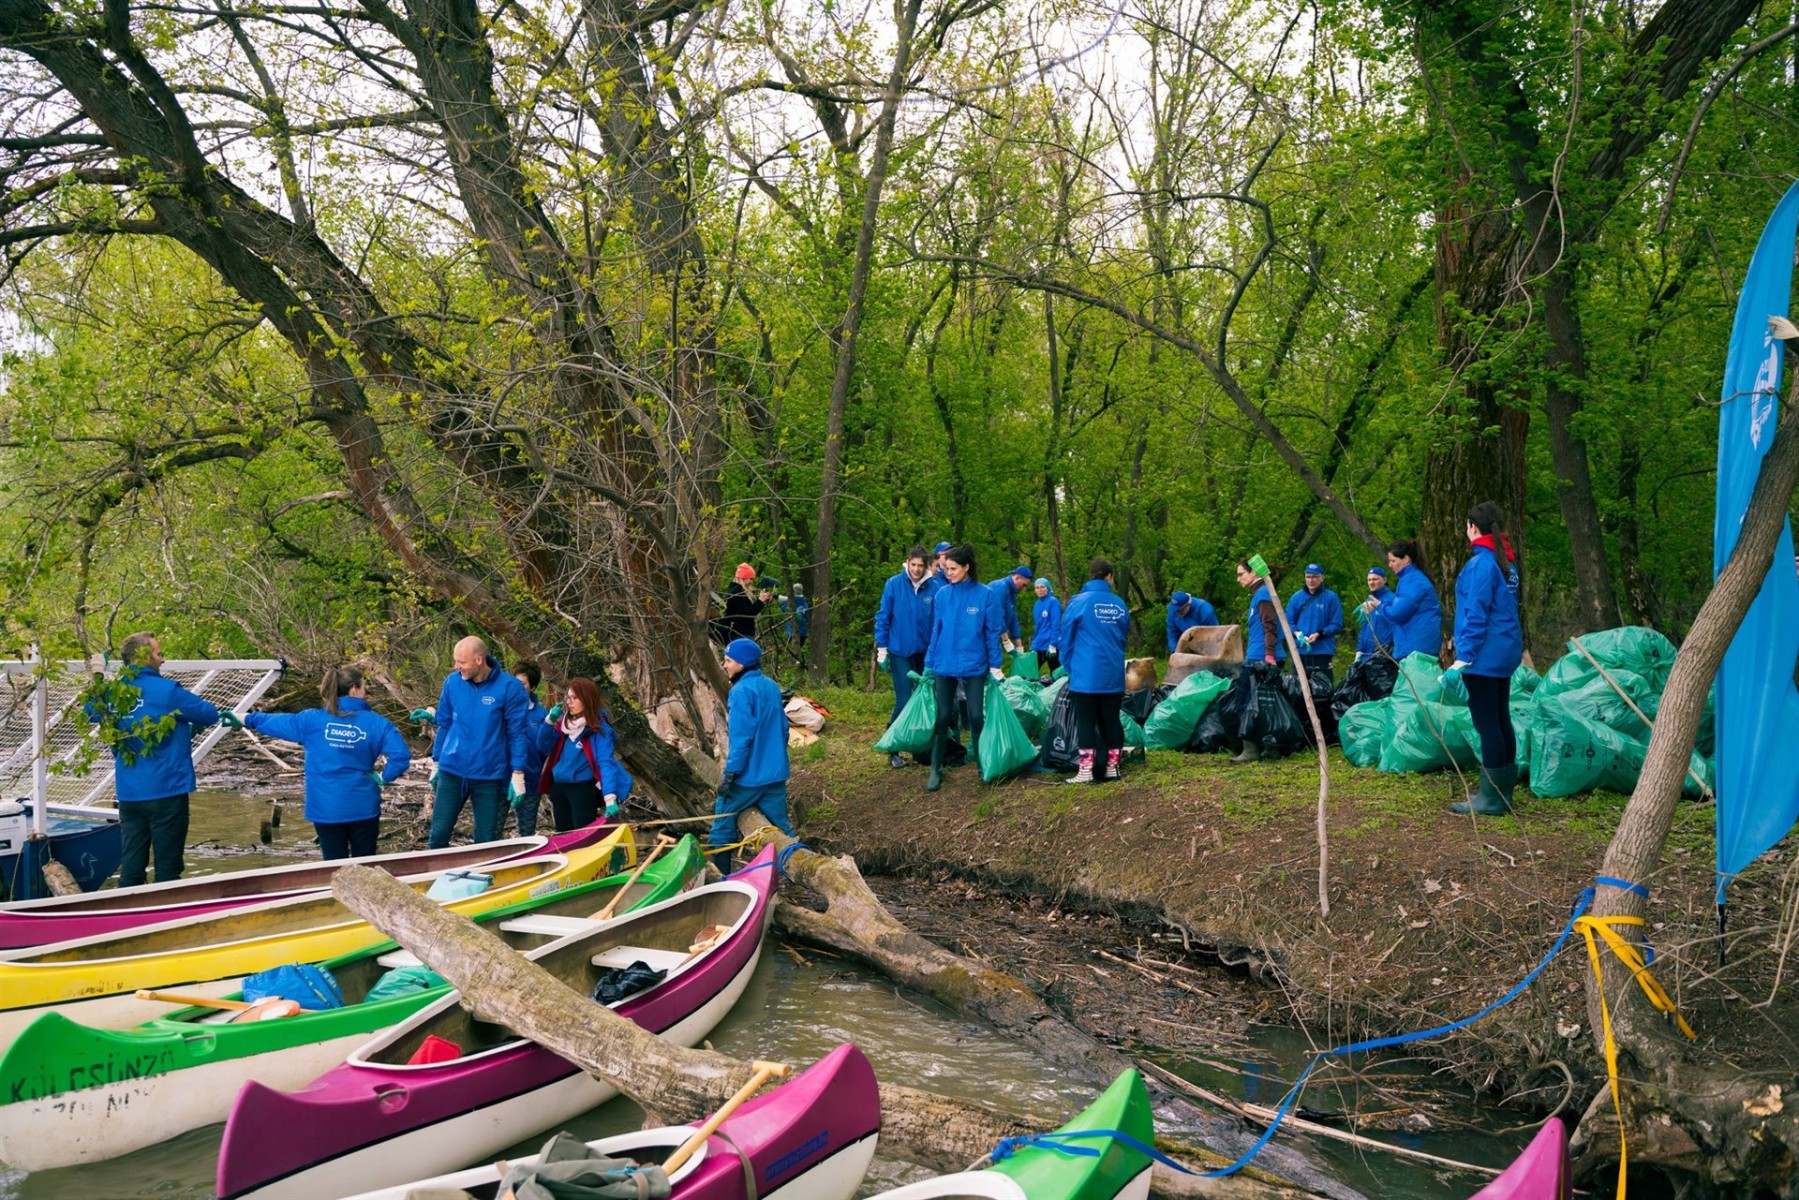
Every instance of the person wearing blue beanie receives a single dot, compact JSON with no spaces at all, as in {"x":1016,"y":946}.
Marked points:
{"x":756,"y":767}
{"x":1046,"y":626}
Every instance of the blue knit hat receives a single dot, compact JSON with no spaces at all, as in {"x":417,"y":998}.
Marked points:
{"x":1043,"y":583}
{"x":941,"y":547}
{"x":1020,"y":569}
{"x":1381,"y":571}
{"x":1181,"y":598}
{"x":745,"y":651}
{"x":1314,"y":569}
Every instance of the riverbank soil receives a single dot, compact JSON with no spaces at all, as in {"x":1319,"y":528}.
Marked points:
{"x":1433,"y":916}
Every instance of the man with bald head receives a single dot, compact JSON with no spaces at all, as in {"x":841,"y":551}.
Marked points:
{"x":482,"y":739}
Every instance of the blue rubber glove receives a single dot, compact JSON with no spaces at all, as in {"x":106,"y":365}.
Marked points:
{"x":229,"y":719}
{"x":612,"y":809}
{"x":554,"y":715}
{"x":425,"y":716}
{"x":376,"y":776}
{"x":515,"y":795}
{"x":1453,"y":687}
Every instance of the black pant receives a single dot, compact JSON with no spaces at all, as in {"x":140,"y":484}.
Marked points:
{"x":1047,"y":661}
{"x":152,"y":825}
{"x":974,"y":698}
{"x":1318,"y":662}
{"x":347,"y":839}
{"x":573,"y":805}
{"x":1097,"y":726}
{"x":526,"y":813}
{"x":1490,"y":704}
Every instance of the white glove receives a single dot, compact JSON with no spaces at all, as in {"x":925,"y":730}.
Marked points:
{"x":1369,"y":605}
{"x":518,"y":783}
{"x":1458,"y":664}
{"x":1006,"y":642}
{"x":1306,"y":639}
{"x":880,"y":656}
{"x":996,"y":673}
{"x":1052,"y":649}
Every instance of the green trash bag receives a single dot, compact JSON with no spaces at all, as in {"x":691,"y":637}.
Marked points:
{"x":1133,"y":734}
{"x":1026,"y":699}
{"x":1431,"y":737}
{"x":1706,"y":771}
{"x":1362,"y":729}
{"x":1024,"y":665}
{"x":1631,"y":648}
{"x":911,"y":731}
{"x":1524,"y":727}
{"x":1571,"y":753}
{"x":1171,"y":723}
{"x":1004,"y":749}
{"x":1597,"y":700}
{"x":1420,"y":680}
{"x":403,"y":981}
{"x":1524,"y":682}
{"x":1049,"y":693}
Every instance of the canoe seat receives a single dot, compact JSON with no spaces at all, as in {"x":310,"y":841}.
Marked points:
{"x":547,"y":926}
{"x":398,"y":958}
{"x":624,"y":956}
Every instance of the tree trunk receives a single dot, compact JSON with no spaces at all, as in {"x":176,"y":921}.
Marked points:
{"x":670,"y":1082}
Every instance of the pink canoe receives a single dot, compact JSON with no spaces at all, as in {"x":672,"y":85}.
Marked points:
{"x":1540,"y":1173}
{"x":29,"y":923}
{"x":380,"y":1118}
{"x":811,"y":1138}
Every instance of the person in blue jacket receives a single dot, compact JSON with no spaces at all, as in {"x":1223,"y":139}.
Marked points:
{"x":1262,"y":640}
{"x":343,"y":738}
{"x":1093,"y":633}
{"x":482,"y":734}
{"x":580,"y":759}
{"x":1186,"y":612}
{"x":966,"y":627}
{"x":1046,"y":626}
{"x":525,"y":807}
{"x":1007,"y":588}
{"x":756,"y":767}
{"x":1369,"y":643}
{"x":153,"y":771}
{"x":1413,"y":619}
{"x":1316,"y":615}
{"x":903,"y":629}
{"x":1489,"y":645}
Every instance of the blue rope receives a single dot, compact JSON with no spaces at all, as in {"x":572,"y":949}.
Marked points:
{"x":1623,"y":885}
{"x":1007,"y":1147}
{"x":1581,"y":903}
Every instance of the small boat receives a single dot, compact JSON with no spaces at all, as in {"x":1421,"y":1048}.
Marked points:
{"x":70,"y":1094}
{"x":93,"y":980}
{"x":382,"y":1118}
{"x":811,"y":1138}
{"x":1540,"y":1173}
{"x":1037,"y":1170}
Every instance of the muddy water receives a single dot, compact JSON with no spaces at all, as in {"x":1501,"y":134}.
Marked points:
{"x":795,"y":1012}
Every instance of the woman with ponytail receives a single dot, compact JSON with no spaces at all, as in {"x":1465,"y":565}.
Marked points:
{"x":1489,"y":645}
{"x":343,"y":739}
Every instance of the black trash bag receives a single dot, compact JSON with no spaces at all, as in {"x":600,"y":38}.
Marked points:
{"x":1267,"y":719}
{"x":1214,"y":732}
{"x":1140,"y":703}
{"x":1322,"y":695}
{"x":1369,"y":679}
{"x":620,"y":982}
{"x":1059,"y":751}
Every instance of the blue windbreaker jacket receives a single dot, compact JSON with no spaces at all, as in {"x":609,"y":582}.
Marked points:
{"x":903,"y":622}
{"x":482,"y":728}
{"x":758,"y":731}
{"x":1093,"y":631}
{"x":534,"y":715}
{"x":1198,"y":613}
{"x":1319,"y":612}
{"x":965,"y":626}
{"x":340,"y":754}
{"x":570,"y":763}
{"x":1253,"y":641}
{"x":1367,"y":641}
{"x":1008,"y":605}
{"x":1413,"y":619}
{"x":167,"y":770}
{"x":1488,"y":635}
{"x":1046,"y":622}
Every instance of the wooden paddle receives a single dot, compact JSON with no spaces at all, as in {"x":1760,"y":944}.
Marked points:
{"x":260,"y":1010}
{"x":663,"y":842}
{"x":765,"y":1071}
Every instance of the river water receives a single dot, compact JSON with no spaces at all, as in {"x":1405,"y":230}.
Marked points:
{"x":795,"y":1012}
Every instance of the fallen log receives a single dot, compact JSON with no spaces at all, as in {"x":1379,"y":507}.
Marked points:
{"x":672,"y":1083}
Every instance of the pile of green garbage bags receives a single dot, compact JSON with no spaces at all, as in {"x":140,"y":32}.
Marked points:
{"x":1575,"y":732}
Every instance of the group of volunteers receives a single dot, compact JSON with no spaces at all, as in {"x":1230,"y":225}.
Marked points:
{"x":936,"y":617}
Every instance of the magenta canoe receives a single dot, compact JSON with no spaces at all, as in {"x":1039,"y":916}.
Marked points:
{"x":1540,"y":1173}
{"x":29,"y":923}
{"x":811,"y":1138}
{"x":379,"y":1119}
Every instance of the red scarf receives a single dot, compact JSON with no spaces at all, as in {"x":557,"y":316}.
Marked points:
{"x":1492,"y":543}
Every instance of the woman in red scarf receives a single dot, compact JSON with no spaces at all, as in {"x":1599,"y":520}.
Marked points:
{"x":1489,"y":645}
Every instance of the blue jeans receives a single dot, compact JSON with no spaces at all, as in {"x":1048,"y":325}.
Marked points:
{"x":769,"y":798}
{"x":898,"y":665}
{"x":152,"y":825}
{"x":526,"y":812}
{"x":486,"y":796}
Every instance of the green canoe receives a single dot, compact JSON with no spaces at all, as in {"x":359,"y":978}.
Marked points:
{"x":71,"y":1094}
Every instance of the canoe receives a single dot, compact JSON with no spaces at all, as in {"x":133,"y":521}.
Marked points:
{"x":1038,"y":1171}
{"x":91,"y":980}
{"x":380,"y":1119}
{"x":1540,"y":1173}
{"x":70,"y":1094}
{"x":811,"y":1138}
{"x":92,"y":914}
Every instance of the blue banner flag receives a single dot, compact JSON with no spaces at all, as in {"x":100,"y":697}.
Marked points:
{"x":1757,"y":704}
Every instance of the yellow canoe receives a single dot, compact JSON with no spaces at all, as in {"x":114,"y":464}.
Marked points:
{"x":92,"y":980}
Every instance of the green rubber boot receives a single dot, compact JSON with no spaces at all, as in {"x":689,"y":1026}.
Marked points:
{"x":1495,"y":797}
{"x":936,"y":779}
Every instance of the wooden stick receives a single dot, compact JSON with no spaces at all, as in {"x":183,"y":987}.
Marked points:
{"x":765,"y":1071}
{"x":663,"y":842}
{"x":1625,"y":696}
{"x":1324,"y":770}
{"x":272,"y":1006}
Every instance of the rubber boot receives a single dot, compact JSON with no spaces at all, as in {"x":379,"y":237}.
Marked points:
{"x":936,"y":779}
{"x":1114,"y":772}
{"x":1251,"y":752}
{"x":1085,"y":773}
{"x":1495,"y":796}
